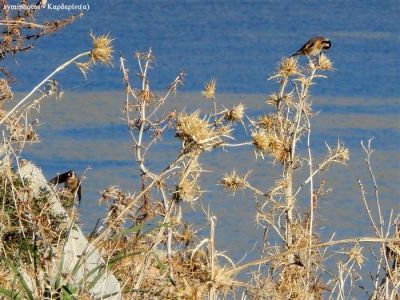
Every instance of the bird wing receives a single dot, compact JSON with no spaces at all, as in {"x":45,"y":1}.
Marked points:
{"x":79,"y":193}
{"x":60,"y":178}
{"x":306,"y":46}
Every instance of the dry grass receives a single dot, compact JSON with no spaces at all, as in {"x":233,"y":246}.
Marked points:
{"x":167,"y":260}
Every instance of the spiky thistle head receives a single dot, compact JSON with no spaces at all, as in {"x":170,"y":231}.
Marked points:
{"x":271,"y":144}
{"x":233,"y":181}
{"x":324,"y":63}
{"x":287,"y":67}
{"x":192,"y":127}
{"x":209,"y":89}
{"x":187,"y":190}
{"x":355,"y":254}
{"x":101,"y":52}
{"x":235,"y":114}
{"x":102,"y":49}
{"x":5,"y":91}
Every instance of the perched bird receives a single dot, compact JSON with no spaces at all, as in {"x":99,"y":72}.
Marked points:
{"x":71,"y":182}
{"x":314,"y":47}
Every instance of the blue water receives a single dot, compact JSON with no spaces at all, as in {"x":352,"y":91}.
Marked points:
{"x":237,"y":42}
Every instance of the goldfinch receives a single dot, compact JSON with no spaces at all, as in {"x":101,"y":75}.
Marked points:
{"x":71,"y":182}
{"x":314,"y":47}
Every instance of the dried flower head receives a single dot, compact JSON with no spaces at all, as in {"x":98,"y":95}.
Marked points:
{"x":21,"y":132}
{"x":267,"y":122}
{"x":356,"y":254}
{"x":278,"y":149}
{"x":5,"y":91}
{"x":187,"y":190}
{"x":192,"y":127}
{"x":287,"y":67}
{"x":343,"y":155}
{"x":268,"y":143}
{"x":112,"y":193}
{"x":119,"y":201}
{"x":209,"y":89}
{"x":340,"y":154}
{"x":233,"y":181}
{"x":145,"y":96}
{"x":260,"y":140}
{"x":224,"y":130}
{"x":102,"y":52}
{"x":236,"y":113}
{"x":102,"y":49}
{"x":324,"y":63}
{"x":275,"y":99}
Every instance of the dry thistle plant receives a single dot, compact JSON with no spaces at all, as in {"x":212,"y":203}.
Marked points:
{"x":277,"y":134}
{"x":177,"y":183}
{"x":145,"y":239}
{"x":17,"y":124}
{"x":101,"y":52}
{"x":32,"y":235}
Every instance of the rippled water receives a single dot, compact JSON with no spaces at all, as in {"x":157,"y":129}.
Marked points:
{"x":239,"y":43}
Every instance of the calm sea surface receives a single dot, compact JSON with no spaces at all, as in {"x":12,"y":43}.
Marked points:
{"x":239,"y":43}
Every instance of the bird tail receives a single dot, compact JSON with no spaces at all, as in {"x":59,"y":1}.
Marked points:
{"x":295,"y":54}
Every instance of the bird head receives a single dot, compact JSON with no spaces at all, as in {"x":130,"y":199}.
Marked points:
{"x":326,"y":44}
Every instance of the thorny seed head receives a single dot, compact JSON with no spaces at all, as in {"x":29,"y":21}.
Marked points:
{"x":260,"y":140}
{"x":144,"y":96}
{"x":233,"y":181}
{"x":192,"y":128}
{"x":5,"y":91}
{"x":340,"y":155}
{"x":102,"y":49}
{"x":287,"y":67}
{"x":343,"y":155}
{"x":101,"y":52}
{"x":111,"y":192}
{"x":268,"y":143}
{"x":235,"y":114}
{"x":267,"y":122}
{"x":356,"y":254}
{"x":187,"y":190}
{"x":275,"y":100}
{"x":119,"y":203}
{"x":209,"y":89}
{"x":324,"y":63}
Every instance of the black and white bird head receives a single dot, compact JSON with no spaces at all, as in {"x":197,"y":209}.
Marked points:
{"x":71,"y":182}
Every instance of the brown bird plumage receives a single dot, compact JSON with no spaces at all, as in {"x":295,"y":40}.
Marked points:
{"x":314,"y":47}
{"x":71,"y":182}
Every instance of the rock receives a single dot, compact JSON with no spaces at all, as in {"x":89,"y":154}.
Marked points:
{"x":76,"y":246}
